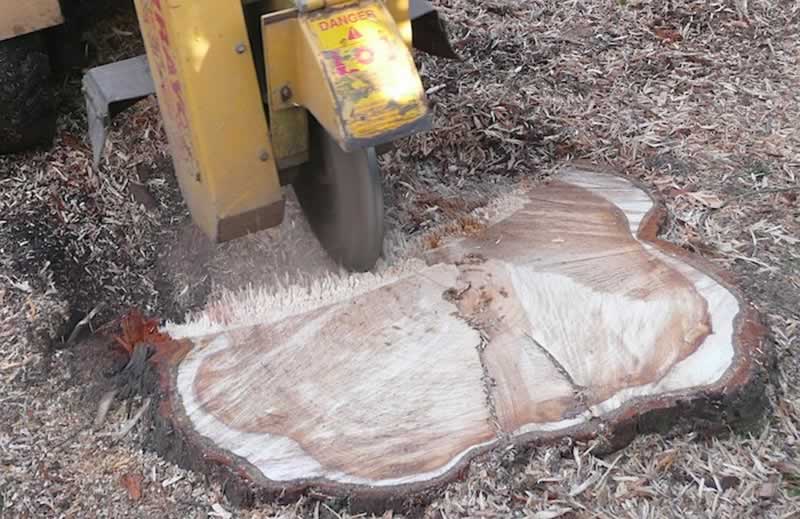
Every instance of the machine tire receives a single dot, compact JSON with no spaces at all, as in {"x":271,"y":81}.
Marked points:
{"x":27,"y":111}
{"x":342,"y":197}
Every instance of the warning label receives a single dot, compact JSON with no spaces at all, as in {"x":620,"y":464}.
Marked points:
{"x":354,"y":39}
{"x":353,"y":34}
{"x":372,"y":74}
{"x":347,"y":19}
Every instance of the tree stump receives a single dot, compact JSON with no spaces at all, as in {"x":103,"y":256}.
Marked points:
{"x":563,"y":315}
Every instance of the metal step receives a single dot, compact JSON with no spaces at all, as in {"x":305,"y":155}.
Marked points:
{"x":113,"y":87}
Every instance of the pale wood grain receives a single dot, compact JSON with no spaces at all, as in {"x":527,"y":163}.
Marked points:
{"x":556,"y":313}
{"x":389,"y":379}
{"x":617,"y":316}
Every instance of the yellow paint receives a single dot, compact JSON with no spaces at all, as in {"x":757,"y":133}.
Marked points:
{"x":349,"y":66}
{"x":290,"y":137}
{"x":297,"y":66}
{"x":288,"y":124}
{"x":399,"y":9}
{"x":199,"y":49}
{"x":212,"y":111}
{"x":312,"y":5}
{"x":18,"y":17}
{"x":370,"y":68}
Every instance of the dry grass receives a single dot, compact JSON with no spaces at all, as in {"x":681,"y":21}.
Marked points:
{"x":696,"y":98}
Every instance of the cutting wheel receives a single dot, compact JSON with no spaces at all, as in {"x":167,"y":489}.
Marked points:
{"x":342,"y":197}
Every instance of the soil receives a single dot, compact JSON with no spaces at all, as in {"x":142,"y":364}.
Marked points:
{"x":27,"y":111}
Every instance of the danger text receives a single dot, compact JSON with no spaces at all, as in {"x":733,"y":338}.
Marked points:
{"x":347,"y":19}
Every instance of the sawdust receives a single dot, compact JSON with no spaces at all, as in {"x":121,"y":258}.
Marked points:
{"x":695,"y":98}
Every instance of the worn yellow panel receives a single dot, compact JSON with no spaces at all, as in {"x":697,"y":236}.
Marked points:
{"x":371,"y":70}
{"x":213,"y":114}
{"x":290,"y":136}
{"x":400,"y":11}
{"x":297,"y":67}
{"x":288,"y":123}
{"x":18,"y":17}
{"x":351,"y":68}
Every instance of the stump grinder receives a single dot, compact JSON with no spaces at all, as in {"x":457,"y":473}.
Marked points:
{"x":255,"y":95}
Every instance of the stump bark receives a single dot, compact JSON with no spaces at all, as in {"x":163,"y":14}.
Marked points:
{"x":563,"y":315}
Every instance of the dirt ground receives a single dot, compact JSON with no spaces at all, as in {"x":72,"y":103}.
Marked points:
{"x":698,"y":99}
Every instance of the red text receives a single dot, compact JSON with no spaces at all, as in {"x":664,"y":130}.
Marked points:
{"x":346,"y":19}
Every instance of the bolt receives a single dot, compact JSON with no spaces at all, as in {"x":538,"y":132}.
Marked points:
{"x":264,"y":156}
{"x":240,"y":48}
{"x":286,"y":93}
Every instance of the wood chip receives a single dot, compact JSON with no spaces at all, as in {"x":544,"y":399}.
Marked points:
{"x":133,"y":484}
{"x":552,"y":513}
{"x":102,"y":408}
{"x":218,"y":511}
{"x":768,"y":490}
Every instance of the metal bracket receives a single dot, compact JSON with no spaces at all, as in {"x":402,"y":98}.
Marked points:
{"x":429,"y":31}
{"x":120,"y":83}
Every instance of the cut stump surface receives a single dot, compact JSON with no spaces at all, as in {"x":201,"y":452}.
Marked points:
{"x":564,"y":315}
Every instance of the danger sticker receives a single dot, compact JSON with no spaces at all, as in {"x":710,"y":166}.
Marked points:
{"x":369,"y":68}
{"x":347,"y":19}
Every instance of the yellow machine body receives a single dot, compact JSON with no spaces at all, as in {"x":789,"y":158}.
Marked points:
{"x":211,"y":106}
{"x":348,"y":63}
{"x":350,"y":66}
{"x":22,"y":17}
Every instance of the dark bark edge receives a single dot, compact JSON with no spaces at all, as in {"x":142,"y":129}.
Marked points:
{"x":738,"y":402}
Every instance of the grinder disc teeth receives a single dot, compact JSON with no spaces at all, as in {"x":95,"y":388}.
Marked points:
{"x":342,"y":197}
